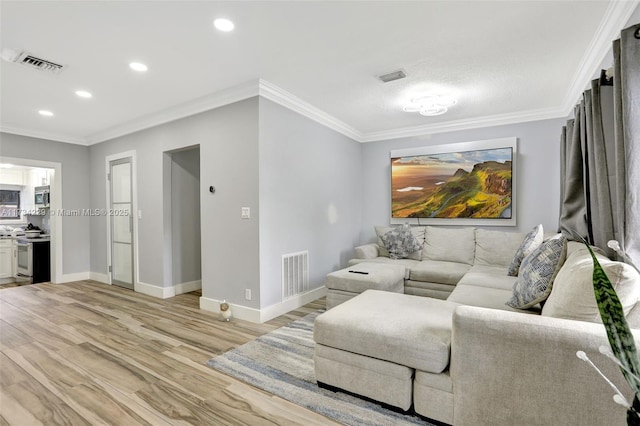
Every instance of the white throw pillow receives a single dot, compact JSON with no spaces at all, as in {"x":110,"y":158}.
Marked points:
{"x":572,"y":296}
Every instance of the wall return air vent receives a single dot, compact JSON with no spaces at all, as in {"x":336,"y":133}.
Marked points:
{"x":31,"y":61}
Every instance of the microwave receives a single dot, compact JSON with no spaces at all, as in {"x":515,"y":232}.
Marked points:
{"x":41,"y":196}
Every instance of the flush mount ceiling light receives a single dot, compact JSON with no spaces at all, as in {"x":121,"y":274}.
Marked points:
{"x":137,"y":66}
{"x":84,"y":94}
{"x":430,"y":105}
{"x":224,"y":24}
{"x":6,"y":166}
{"x":45,"y":113}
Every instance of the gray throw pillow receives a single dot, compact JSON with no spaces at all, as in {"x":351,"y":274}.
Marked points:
{"x":537,"y":273}
{"x":400,"y":242}
{"x":531,"y":242}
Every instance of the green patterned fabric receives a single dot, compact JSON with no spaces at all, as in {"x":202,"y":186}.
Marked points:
{"x":537,"y":273}
{"x":531,"y":242}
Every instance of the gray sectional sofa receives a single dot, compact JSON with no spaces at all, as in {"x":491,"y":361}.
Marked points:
{"x":460,"y":355}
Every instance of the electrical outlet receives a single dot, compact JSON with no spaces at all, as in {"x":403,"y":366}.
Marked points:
{"x":247,"y":294}
{"x":245,"y":212}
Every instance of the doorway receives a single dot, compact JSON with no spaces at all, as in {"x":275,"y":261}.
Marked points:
{"x":120,"y":214}
{"x":182,"y":219}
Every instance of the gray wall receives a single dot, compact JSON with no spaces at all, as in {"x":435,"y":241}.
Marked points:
{"x":538,"y":168}
{"x":310,"y":196}
{"x":228,"y":140}
{"x":75,"y":190}
{"x":185,"y":216}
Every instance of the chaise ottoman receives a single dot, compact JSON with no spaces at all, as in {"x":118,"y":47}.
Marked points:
{"x":346,"y":283}
{"x":375,"y":343}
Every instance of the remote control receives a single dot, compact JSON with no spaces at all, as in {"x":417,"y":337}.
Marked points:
{"x":359,"y":272}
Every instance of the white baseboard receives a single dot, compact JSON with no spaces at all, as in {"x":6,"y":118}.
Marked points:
{"x":154,"y":290}
{"x":97,"y":276}
{"x":187,"y":287}
{"x":292,"y":303}
{"x":268,"y":313}
{"x":78,"y":276}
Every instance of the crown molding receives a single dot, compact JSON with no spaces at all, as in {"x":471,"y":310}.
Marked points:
{"x":58,"y":137}
{"x":474,"y":123}
{"x":288,"y":100}
{"x":204,"y":103}
{"x":615,"y":17}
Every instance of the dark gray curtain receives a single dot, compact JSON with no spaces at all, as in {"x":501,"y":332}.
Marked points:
{"x":600,"y":157}
{"x":627,"y":135}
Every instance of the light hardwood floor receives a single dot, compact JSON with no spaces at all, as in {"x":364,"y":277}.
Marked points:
{"x":89,"y":353}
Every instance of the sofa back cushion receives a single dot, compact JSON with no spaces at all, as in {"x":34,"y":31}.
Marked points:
{"x":449,"y":245}
{"x":496,"y":248}
{"x":572,"y":296}
{"x":417,"y":231}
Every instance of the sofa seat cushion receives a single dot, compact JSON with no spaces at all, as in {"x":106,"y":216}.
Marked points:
{"x":437,"y":271}
{"x":407,"y":263}
{"x":377,"y":276}
{"x":408,"y":330}
{"x":485,"y":297}
{"x":488,"y":276}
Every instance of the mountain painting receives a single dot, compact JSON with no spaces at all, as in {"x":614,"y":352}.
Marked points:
{"x":471,"y":184}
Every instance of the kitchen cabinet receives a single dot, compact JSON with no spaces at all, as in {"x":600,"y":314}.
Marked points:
{"x":6,"y":258}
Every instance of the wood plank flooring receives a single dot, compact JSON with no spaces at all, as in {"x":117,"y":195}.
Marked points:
{"x":86,"y":353}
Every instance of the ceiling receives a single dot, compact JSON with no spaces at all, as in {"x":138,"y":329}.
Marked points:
{"x":503,"y":61}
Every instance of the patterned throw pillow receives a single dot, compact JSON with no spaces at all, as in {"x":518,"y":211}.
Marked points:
{"x":531,"y":242}
{"x":400,"y":242}
{"x":537,"y":273}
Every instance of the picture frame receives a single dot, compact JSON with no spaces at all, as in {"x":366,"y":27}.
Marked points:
{"x":466,"y":183}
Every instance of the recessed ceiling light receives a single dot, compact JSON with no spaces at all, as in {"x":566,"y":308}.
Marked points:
{"x":45,"y":113}
{"x":223,"y":24}
{"x":84,"y":94}
{"x":137,"y":66}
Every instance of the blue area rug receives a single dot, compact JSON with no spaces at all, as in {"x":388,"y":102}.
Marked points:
{"x":281,"y":363}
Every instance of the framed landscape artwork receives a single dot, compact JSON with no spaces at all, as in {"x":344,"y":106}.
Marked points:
{"x":469,"y":183}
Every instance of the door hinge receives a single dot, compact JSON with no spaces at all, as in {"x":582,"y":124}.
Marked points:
{"x":109,"y":176}
{"x":109,"y":268}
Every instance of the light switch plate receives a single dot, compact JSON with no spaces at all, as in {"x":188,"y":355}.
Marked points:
{"x":246,"y":213}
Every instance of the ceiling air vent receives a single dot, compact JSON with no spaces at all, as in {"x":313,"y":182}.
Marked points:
{"x":27,"y":59}
{"x":392,"y":76}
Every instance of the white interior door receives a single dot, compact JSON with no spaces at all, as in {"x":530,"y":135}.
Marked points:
{"x":121,"y":218}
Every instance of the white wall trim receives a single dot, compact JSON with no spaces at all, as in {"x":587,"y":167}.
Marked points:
{"x":154,"y":290}
{"x":475,"y":123}
{"x":616,"y":16}
{"x":292,"y":303}
{"x":187,"y":287}
{"x":237,"y":311}
{"x":100,"y":277}
{"x":204,"y":103}
{"x":60,"y":137}
{"x":288,"y":100}
{"x":268,"y":313}
{"x":78,"y":276}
